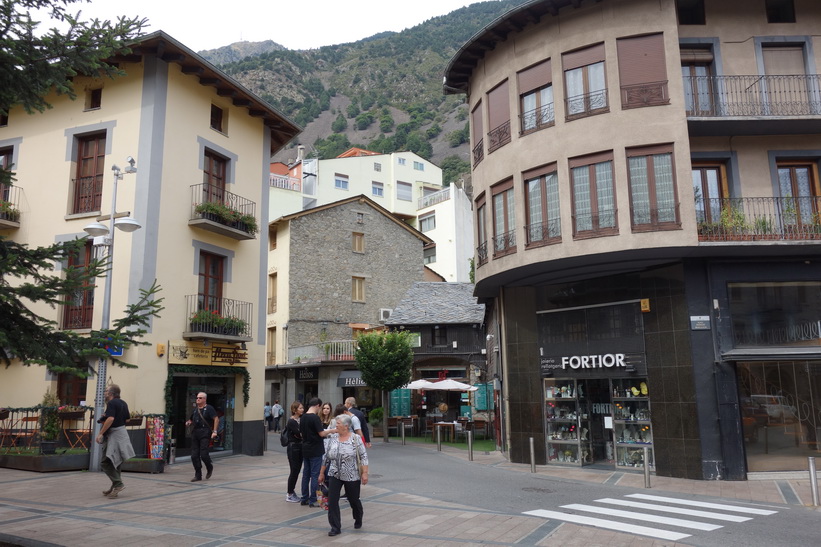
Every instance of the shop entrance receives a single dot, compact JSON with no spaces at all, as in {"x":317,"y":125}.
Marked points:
{"x":220,"y":394}
{"x":598,"y":393}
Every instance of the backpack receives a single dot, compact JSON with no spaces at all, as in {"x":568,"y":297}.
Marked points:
{"x":284,"y":437}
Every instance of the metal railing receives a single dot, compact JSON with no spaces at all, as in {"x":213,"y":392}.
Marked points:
{"x":647,"y":218}
{"x":481,"y":254}
{"x":478,"y":152}
{"x":586,"y":104}
{"x":218,"y":316}
{"x":219,"y":205}
{"x":330,"y":350}
{"x":23,"y":430}
{"x":433,"y":199}
{"x":777,"y":95}
{"x":9,"y":203}
{"x":498,"y":137}
{"x":88,"y":194}
{"x":646,"y":94}
{"x":536,"y":119}
{"x":543,"y":233}
{"x":504,"y":244}
{"x":759,"y":218}
{"x":285,"y":182}
{"x":595,"y":224}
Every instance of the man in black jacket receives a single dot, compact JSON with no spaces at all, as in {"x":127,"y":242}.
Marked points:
{"x":206,"y":424}
{"x":350,"y":402}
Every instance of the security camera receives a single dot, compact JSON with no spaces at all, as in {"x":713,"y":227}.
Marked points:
{"x":489,"y":337}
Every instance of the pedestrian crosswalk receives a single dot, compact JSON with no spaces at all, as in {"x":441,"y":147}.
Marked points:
{"x":644,"y":508}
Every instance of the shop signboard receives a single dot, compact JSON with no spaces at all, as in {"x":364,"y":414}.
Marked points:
{"x":195,"y":352}
{"x":605,"y":365}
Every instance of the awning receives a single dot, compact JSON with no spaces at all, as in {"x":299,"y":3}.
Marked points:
{"x":350,"y":378}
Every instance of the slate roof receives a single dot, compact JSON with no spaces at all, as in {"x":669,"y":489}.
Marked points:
{"x":429,"y":303}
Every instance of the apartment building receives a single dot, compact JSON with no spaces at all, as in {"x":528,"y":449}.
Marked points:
{"x":190,"y":148}
{"x":647,"y":227}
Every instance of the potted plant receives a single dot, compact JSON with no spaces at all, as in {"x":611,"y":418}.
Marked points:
{"x":49,"y":423}
{"x":222,"y":213}
{"x":135,"y":418}
{"x":375,"y":420}
{"x":8,"y":211}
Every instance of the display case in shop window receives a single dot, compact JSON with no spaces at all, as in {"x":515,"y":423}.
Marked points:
{"x":632,"y":430}
{"x":567,"y":423}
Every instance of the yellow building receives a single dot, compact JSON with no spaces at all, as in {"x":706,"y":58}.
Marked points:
{"x":201,"y":145}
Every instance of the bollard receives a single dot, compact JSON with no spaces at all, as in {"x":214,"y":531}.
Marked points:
{"x":402,"y":427}
{"x":813,"y":481}
{"x":470,"y":445}
{"x":532,"y":457}
{"x":646,"y":467}
{"x":439,"y":439}
{"x":172,"y":452}
{"x":766,"y":441}
{"x":264,"y":436}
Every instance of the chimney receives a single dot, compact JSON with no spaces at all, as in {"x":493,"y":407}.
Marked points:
{"x":300,"y":153}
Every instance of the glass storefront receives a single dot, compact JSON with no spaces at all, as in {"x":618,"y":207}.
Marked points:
{"x":780,"y":412}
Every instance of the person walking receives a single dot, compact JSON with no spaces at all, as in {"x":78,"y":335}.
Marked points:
{"x":206,"y":425}
{"x":276,"y":413}
{"x":345,"y":455}
{"x":114,"y":438}
{"x":267,"y":413}
{"x":350,"y":402}
{"x":294,"y":449}
{"x":313,"y":449}
{"x":342,"y":409}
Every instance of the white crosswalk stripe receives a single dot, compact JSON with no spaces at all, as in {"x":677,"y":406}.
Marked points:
{"x":663,"y":504}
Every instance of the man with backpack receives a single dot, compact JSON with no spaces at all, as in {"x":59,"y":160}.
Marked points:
{"x":276,"y":413}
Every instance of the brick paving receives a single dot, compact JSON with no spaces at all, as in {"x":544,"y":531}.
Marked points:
{"x":243,"y":504}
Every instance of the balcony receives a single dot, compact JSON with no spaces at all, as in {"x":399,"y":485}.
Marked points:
{"x":433,"y":199}
{"x":478,"y":153}
{"x":536,"y":119}
{"x":88,"y":194}
{"x":217,"y":210}
{"x":328,"y":351}
{"x":481,"y":254}
{"x":753,"y":105}
{"x":498,"y":137}
{"x":9,"y":206}
{"x":504,"y":244}
{"x":285,"y":182}
{"x":543,"y":233}
{"x":217,"y":319}
{"x":587,"y":104}
{"x":759,"y":219}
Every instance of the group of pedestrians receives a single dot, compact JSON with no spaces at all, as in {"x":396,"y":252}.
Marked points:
{"x":330,"y":448}
{"x":273,"y":414}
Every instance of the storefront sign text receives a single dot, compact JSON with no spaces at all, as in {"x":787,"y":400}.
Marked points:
{"x":603,"y":365}
{"x":194,"y":352}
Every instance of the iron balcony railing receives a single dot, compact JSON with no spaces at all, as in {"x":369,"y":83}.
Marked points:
{"x":214,"y":203}
{"x":544,"y":233}
{"x":285,"y":182}
{"x":759,"y":218}
{"x":433,"y":199}
{"x":536,"y":119}
{"x":478,"y":152}
{"x":504,"y":244}
{"x":218,"y":316}
{"x":330,"y":350}
{"x":481,"y":254}
{"x":498,"y":137}
{"x":88,"y":194}
{"x":728,"y":96}
{"x":594,"y":224}
{"x":9,"y":203}
{"x":586,"y":104}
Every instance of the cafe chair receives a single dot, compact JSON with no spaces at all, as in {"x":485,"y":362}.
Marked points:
{"x":393,"y":425}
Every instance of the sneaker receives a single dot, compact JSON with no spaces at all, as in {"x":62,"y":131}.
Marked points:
{"x":292,"y":498}
{"x":107,"y":492}
{"x":303,"y":502}
{"x":115,"y":491}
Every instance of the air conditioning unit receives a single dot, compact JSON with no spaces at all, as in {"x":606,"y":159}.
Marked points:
{"x":384,"y":314}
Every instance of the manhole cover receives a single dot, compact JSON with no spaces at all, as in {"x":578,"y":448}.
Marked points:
{"x":537,"y":490}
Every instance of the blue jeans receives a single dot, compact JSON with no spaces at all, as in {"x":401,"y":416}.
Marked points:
{"x":310,"y":478}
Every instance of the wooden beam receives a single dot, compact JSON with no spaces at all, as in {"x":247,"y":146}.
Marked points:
{"x":192,"y":69}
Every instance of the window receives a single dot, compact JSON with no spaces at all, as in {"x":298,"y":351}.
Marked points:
{"x":543,"y":216}
{"x":419,"y":166}
{"x":272,"y":293}
{"x":271,"y":346}
{"x":594,"y":197}
{"x":401,"y":161}
{"x":78,"y":309}
{"x":504,"y":220}
{"x":272,"y":238}
{"x":217,"y":118}
{"x":71,"y":389}
{"x":340,"y":181}
{"x":585,"y":82}
{"x":88,"y":184}
{"x":711,"y":191}
{"x":698,"y":86}
{"x":377,"y":189}
{"x":377,"y":166}
{"x":498,"y":117}
{"x":536,"y":97}
{"x":481,"y":237}
{"x":404,"y":191}
{"x":429,"y":255}
{"x":209,"y":290}
{"x":642,"y":71}
{"x":358,"y":289}
{"x":4,"y":119}
{"x":477,"y":134}
{"x":439,"y":335}
{"x":213,"y":177}
{"x":780,"y":11}
{"x":358,"y":242}
{"x":653,"y":197}
{"x":427,"y":222}
{"x":690,"y":12}
{"x":94,"y":98}
{"x":798,"y":183}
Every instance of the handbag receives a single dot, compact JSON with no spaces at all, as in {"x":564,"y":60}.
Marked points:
{"x":358,"y":459}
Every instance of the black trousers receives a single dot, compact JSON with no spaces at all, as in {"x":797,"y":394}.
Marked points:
{"x":295,"y":463}
{"x":199,"y":451}
{"x":352,"y":491}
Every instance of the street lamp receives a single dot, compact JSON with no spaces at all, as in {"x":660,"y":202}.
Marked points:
{"x":104,"y":237}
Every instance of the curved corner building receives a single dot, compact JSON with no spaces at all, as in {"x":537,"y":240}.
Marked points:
{"x":648,"y":216}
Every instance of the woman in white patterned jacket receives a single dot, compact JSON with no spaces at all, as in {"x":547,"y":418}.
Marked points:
{"x":344,"y":454}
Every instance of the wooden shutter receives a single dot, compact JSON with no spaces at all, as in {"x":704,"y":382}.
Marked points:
{"x":535,"y":77}
{"x":641,"y":59}
{"x":476,"y":123}
{"x":781,"y":60}
{"x":583,"y":57}
{"x":498,"y":104}
{"x":699,"y":56}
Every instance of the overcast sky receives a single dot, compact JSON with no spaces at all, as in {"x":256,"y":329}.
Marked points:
{"x":295,"y":24}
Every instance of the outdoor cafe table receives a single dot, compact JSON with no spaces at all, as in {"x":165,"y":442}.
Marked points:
{"x":450,"y":427}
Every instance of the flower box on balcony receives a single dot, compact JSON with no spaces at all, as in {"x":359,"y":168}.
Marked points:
{"x":222,"y":219}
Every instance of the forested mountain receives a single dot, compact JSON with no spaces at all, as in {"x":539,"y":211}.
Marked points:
{"x":383,"y":93}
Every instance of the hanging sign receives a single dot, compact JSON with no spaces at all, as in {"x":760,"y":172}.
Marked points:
{"x":194,"y":352}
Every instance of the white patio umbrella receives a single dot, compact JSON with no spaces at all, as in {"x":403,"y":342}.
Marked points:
{"x":419,"y":384}
{"x":451,"y":385}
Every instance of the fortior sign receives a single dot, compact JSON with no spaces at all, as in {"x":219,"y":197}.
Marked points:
{"x":597,"y":365}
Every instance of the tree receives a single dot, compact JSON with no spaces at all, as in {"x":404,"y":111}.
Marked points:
{"x":33,"y":339}
{"x":453,"y":167}
{"x":31,"y":65}
{"x":340,"y":124}
{"x":385,"y":360}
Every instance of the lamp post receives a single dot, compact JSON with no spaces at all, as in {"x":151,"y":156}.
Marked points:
{"x":104,"y":237}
